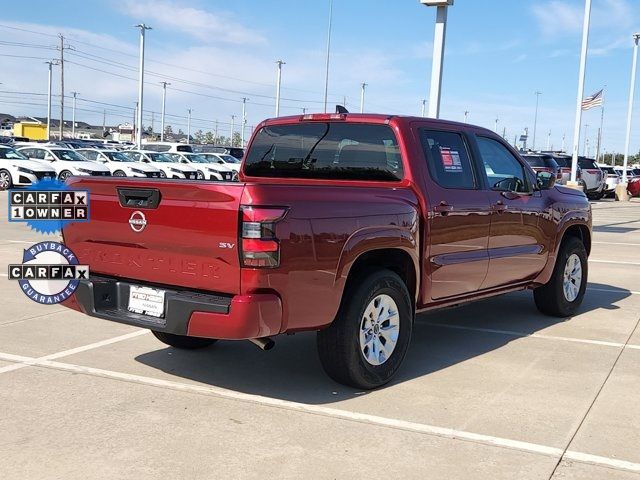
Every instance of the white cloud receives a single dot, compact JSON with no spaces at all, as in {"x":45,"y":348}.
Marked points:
{"x":207,"y":26}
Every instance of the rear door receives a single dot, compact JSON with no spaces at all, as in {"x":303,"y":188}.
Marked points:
{"x":174,"y":233}
{"x":458,"y":219}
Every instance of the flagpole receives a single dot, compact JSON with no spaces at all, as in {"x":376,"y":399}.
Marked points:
{"x":601,"y":125}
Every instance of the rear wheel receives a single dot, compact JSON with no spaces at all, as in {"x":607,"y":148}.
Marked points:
{"x":367,"y":342}
{"x":119,"y":173}
{"x":182,"y":341}
{"x":64,"y":175}
{"x":564,"y":292}
{"x":5,"y":180}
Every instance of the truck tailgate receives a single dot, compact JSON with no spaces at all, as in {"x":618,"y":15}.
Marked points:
{"x":167,"y":232}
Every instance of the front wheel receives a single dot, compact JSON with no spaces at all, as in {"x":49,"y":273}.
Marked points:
{"x":119,"y":173}
{"x":64,"y":175}
{"x":367,"y":342}
{"x":563,"y":294}
{"x":5,"y":180}
{"x":182,"y":341}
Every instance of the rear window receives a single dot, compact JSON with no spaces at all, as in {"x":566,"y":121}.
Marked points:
{"x":534,"y":160}
{"x":325,"y":150}
{"x":564,"y":162}
{"x":184,"y":148}
{"x":587,"y":163}
{"x":157,"y":148}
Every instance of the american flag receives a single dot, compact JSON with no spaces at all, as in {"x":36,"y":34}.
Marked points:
{"x":593,"y":100}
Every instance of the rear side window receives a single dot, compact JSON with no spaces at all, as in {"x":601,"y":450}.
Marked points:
{"x":448,"y":160}
{"x":331,"y":150}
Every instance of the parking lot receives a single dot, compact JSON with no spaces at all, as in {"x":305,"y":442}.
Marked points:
{"x":489,"y":390}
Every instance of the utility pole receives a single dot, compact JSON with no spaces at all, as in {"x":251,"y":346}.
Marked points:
{"x":61,"y":61}
{"x":363,"y":85}
{"x":466,"y":115}
{"x":153,"y":121}
{"x":233,"y":127}
{"x":504,"y":132}
{"x":440,"y":32}
{"x":50,"y":64}
{"x":326,"y":76}
{"x":535,"y":119}
{"x":424,"y":106}
{"x":164,"y":103}
{"x":188,"y":126}
{"x":135,"y":123}
{"x":549,"y":140}
{"x":601,"y":129}
{"x":244,"y":120}
{"x":278,"y":84}
{"x":73,"y":115}
{"x":104,"y":120}
{"x":143,"y":28}
{"x":632,"y":89}
{"x":564,"y":136}
{"x":304,"y":110}
{"x":215,"y":135}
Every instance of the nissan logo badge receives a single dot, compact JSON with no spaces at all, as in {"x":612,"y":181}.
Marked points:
{"x":137,"y":221}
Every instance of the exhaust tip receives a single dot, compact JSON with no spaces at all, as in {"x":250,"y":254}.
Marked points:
{"x":264,"y":343}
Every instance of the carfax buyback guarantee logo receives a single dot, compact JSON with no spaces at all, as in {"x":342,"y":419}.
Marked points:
{"x":49,"y":273}
{"x":48,"y":205}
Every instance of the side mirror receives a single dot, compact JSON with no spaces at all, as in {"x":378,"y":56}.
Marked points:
{"x":545,"y":180}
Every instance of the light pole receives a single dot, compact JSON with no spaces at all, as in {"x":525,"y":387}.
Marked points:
{"x":438,"y":53}
{"x":363,"y":85}
{"x":535,"y":119}
{"x":580,"y":96}
{"x":73,"y":115}
{"x":496,"y":126}
{"x":50,"y":63}
{"x":244,"y":120}
{"x":233,"y":126}
{"x":188,"y":126}
{"x":215,"y":135}
{"x":326,"y":76}
{"x":278,"y":83}
{"x":621,"y":193}
{"x":143,"y":28}
{"x":424,"y":105}
{"x":164,"y":102}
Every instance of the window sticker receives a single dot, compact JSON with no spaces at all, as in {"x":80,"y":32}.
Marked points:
{"x":450,"y":160}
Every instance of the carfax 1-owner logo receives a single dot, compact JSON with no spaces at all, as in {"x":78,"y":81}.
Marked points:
{"x":49,"y":273}
{"x":48,"y":205}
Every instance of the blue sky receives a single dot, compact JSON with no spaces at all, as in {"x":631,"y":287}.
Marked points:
{"x":499,"y":52}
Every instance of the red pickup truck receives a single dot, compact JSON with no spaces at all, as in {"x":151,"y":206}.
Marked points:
{"x":346,"y":224}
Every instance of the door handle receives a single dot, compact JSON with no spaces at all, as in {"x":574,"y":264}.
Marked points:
{"x":499,"y":206}
{"x":443,"y":209}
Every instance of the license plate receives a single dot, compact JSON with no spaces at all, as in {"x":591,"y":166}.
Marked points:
{"x":146,"y":301}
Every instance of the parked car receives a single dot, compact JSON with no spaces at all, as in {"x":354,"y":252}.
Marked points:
{"x":64,"y":161}
{"x":223,"y":159}
{"x":611,"y":178}
{"x":541,"y":162}
{"x":344,"y":224}
{"x":592,"y":177}
{"x":119,"y":164}
{"x":167,"y":147}
{"x":236,"y":152}
{"x":16,"y":170}
{"x":169,"y":167}
{"x":206,"y":167}
{"x":564,"y":161}
{"x":633,"y":186}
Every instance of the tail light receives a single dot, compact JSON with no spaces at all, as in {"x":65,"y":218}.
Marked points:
{"x":259,"y":246}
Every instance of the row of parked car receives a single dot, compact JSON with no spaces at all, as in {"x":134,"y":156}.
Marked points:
{"x":26,"y":163}
{"x":597,"y":180}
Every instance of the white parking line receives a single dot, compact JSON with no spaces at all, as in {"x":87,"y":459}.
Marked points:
{"x":30,"y":361}
{"x":340,"y":414}
{"x":591,"y":260}
{"x":513,"y":333}
{"x":4,"y":275}
{"x":618,"y":243}
{"x":614,"y":290}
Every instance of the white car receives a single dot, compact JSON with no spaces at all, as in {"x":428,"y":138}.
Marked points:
{"x":208,"y":169}
{"x":119,"y":164}
{"x":64,"y":161}
{"x":167,"y":147}
{"x":169,"y":167}
{"x":228,"y":161}
{"x":17,"y":170}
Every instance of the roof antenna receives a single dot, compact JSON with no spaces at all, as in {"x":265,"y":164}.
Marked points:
{"x":341,"y":109}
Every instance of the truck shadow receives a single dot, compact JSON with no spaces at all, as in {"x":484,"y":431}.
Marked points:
{"x":292,"y":370}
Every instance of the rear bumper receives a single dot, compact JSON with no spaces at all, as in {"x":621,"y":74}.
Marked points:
{"x":186,"y":313}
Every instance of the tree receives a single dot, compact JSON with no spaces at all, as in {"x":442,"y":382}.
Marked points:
{"x":209,"y":138}
{"x":237,"y":139}
{"x":180,"y":132}
{"x":199,"y":136}
{"x":168,"y":130}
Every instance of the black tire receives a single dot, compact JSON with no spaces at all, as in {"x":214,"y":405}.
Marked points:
{"x":119,"y":173}
{"x":162,"y":174}
{"x":182,"y":341}
{"x":199,"y":175}
{"x":339,"y":344}
{"x":550,"y":298}
{"x":6,"y":182}
{"x":64,"y":175}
